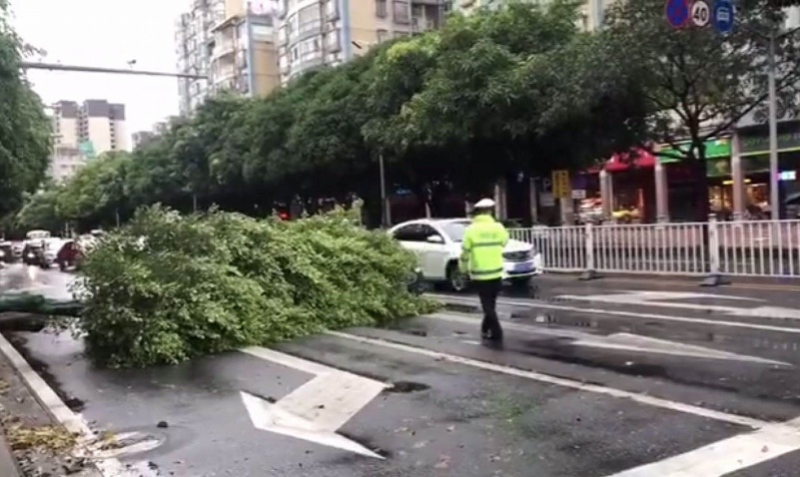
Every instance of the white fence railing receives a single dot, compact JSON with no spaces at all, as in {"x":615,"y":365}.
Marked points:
{"x":751,"y":248}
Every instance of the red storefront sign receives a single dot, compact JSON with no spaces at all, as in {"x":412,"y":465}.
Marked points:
{"x":623,"y":161}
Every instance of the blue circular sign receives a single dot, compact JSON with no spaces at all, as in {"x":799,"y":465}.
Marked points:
{"x":677,"y":12}
{"x":722,"y":15}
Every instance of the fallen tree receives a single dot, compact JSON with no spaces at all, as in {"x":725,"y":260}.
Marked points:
{"x":166,"y":287}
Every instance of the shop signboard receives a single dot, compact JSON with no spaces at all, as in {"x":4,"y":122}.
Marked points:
{"x":562,"y":187}
{"x":715,"y":148}
{"x":755,"y":141}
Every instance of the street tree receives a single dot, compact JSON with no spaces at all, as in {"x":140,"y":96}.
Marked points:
{"x":695,"y":83}
{"x":24,"y":127}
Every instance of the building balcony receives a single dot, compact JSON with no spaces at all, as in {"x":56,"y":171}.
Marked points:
{"x":223,"y":48}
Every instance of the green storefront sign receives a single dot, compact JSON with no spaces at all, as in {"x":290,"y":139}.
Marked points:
{"x":755,"y":141}
{"x":717,"y":152}
{"x":715,"y":148}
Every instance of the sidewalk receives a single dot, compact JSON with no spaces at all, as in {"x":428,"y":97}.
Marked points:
{"x":8,"y":465}
{"x":43,"y":446}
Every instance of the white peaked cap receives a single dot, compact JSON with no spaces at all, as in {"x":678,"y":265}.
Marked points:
{"x":484,"y":204}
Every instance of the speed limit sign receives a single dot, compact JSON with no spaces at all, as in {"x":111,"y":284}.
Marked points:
{"x":701,"y":13}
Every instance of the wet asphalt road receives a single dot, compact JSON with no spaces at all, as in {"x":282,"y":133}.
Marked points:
{"x":613,"y":386}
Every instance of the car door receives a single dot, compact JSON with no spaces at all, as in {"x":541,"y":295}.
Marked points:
{"x":434,"y":255}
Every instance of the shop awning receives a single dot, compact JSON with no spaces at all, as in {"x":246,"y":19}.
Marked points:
{"x":622,"y":161}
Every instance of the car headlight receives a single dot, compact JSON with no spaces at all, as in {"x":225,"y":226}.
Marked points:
{"x":2,"y":254}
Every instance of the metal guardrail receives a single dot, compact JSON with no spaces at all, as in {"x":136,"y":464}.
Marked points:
{"x":741,"y":248}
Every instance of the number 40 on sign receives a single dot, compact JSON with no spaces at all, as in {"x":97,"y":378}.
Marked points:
{"x":700,"y":13}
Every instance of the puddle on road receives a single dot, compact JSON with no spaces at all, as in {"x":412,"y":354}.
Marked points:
{"x":405,"y":387}
{"x":73,"y":403}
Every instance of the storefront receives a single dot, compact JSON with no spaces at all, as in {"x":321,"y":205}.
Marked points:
{"x":632,"y":190}
{"x":683,"y":199}
{"x":754,"y":163}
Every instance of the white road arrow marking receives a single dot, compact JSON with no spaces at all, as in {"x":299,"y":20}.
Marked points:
{"x":622,"y":341}
{"x":726,"y":456}
{"x":646,"y":298}
{"x":318,"y":408}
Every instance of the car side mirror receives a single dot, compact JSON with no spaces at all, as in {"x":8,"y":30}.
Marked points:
{"x":435,"y":239}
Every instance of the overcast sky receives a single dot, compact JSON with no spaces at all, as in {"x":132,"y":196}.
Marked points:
{"x":105,"y":33}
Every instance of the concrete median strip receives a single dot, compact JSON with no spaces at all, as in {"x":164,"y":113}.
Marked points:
{"x":8,"y":465}
{"x":60,"y":412}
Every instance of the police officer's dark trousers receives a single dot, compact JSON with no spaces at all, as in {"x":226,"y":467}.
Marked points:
{"x":488,"y":290}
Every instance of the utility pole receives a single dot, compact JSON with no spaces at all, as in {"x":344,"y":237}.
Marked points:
{"x":774,"y":195}
{"x":386,"y":216}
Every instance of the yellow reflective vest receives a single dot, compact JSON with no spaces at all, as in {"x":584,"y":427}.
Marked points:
{"x":482,"y":248}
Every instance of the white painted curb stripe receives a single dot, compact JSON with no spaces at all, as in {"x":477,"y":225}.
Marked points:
{"x":627,"y":314}
{"x":725,"y":456}
{"x":61,"y":412}
{"x":569,"y":383}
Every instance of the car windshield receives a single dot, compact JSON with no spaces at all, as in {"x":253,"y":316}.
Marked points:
{"x":455,"y":230}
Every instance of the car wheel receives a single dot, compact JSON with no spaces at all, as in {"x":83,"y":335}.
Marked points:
{"x":456,"y":280}
{"x":62,"y":265}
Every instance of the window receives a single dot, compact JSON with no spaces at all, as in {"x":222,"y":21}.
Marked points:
{"x":415,"y":233}
{"x":294,"y":53}
{"x":383,"y":35}
{"x":332,"y":41}
{"x":409,"y":233}
{"x":400,"y":12}
{"x":331,"y":10}
{"x":380,"y":8}
{"x":455,"y":230}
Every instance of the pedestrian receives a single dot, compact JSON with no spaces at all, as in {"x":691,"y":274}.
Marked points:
{"x":482,"y":257}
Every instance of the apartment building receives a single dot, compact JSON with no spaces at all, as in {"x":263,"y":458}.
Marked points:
{"x":312,"y":33}
{"x":81,"y":131}
{"x":232,"y":42}
{"x":192,"y":37}
{"x":244,"y":56}
{"x":592,"y":11}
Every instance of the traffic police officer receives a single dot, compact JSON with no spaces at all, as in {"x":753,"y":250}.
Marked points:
{"x":482,"y":257}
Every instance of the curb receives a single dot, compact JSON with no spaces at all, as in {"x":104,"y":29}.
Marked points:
{"x":61,"y":413}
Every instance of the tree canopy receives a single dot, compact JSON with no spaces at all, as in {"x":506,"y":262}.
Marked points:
{"x":498,"y":92}
{"x":24,"y":127}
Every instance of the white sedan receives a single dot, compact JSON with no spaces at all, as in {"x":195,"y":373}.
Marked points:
{"x":437,"y":244}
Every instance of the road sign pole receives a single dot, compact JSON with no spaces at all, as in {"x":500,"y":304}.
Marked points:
{"x":774,"y":196}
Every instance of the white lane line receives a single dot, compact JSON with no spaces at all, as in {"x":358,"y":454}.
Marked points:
{"x":622,"y":342}
{"x":72,"y":422}
{"x":627,"y":314}
{"x":725,"y":456}
{"x":569,"y":383}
